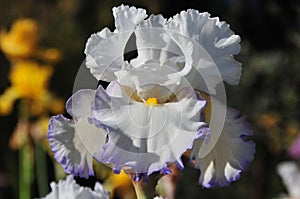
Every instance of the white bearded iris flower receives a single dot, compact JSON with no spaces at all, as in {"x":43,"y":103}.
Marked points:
{"x":69,"y":189}
{"x":152,"y":112}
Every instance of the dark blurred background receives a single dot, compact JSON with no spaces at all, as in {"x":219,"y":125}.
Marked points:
{"x":268,"y":92}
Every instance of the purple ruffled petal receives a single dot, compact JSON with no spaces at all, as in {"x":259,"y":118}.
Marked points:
{"x":62,"y":138}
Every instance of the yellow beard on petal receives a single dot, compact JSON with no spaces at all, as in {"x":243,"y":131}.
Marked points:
{"x":151,"y":101}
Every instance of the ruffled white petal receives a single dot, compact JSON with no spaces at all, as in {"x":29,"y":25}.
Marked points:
{"x":126,"y":18}
{"x":146,"y":138}
{"x":74,"y":144}
{"x":153,"y":43}
{"x":151,"y":80}
{"x":70,"y":189}
{"x":290,"y":175}
{"x":229,"y":157}
{"x":104,"y":53}
{"x":105,"y":49}
{"x":206,"y":43}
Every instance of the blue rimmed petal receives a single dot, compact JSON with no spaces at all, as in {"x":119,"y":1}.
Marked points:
{"x":75,"y":144}
{"x":146,"y":138}
{"x":229,"y":157}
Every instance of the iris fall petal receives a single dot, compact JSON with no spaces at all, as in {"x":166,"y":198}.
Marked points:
{"x":229,"y":157}
{"x":146,"y":138}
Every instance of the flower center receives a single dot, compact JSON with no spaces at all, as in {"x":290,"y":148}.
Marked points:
{"x":151,"y":101}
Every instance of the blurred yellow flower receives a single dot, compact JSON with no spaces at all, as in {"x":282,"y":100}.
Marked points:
{"x":21,"y":40}
{"x":119,"y":185}
{"x":56,"y":105}
{"x":7,"y":100}
{"x":49,"y":55}
{"x":47,"y":102}
{"x":117,"y":180}
{"x":29,"y":79}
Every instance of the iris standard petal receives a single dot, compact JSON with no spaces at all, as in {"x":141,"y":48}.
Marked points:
{"x":229,"y":157}
{"x":70,"y":189}
{"x":105,"y":49}
{"x":206,"y":43}
{"x":143,"y":137}
{"x":74,"y":144}
{"x":126,"y":18}
{"x":153,"y":43}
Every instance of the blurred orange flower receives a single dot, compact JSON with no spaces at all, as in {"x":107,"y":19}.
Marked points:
{"x":269,"y":120}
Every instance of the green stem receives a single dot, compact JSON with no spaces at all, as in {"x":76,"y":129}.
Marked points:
{"x":25,"y":169}
{"x":41,"y":170}
{"x":59,"y":171}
